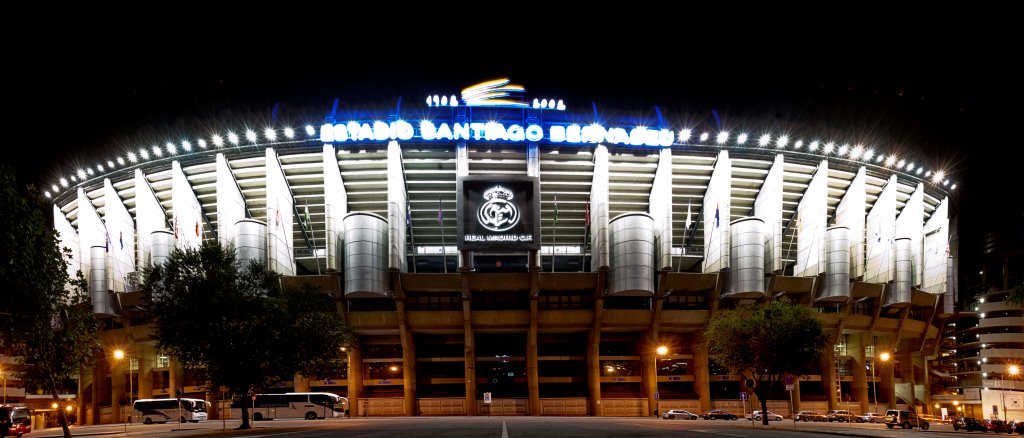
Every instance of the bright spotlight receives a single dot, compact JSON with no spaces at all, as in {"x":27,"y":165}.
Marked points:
{"x":186,"y":146}
{"x":901,"y":163}
{"x":201,"y":143}
{"x":741,"y":139}
{"x":232,"y":138}
{"x":722,"y":137}
{"x":64,"y":182}
{"x":250,"y":135}
{"x":270,"y":134}
{"x":310,"y":130}
{"x":143,"y":153}
{"x":889,"y":161}
{"x":868,"y":154}
{"x":217,"y":140}
{"x":47,"y":193}
{"x":764,"y":140}
{"x":157,"y":151}
{"x":120,"y":161}
{"x":813,"y":146}
{"x":704,"y":137}
{"x":685,"y":134}
{"x":171,"y":149}
{"x":55,"y":188}
{"x":110,"y":164}
{"x":856,"y":152}
{"x":842,"y":150}
{"x":798,"y":144}
{"x":782,"y":141}
{"x":938,"y":176}
{"x":828,"y":148}
{"x":289,"y":132}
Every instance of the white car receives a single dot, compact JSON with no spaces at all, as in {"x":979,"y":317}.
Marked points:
{"x":679,"y":413}
{"x":771,"y":416}
{"x":871,"y":417}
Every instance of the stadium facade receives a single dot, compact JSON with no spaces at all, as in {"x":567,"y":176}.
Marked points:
{"x":500,"y":254}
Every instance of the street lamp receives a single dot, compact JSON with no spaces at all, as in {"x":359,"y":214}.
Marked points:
{"x":884,"y":357}
{"x":120,"y":354}
{"x":662,"y":351}
{"x":1013,"y":370}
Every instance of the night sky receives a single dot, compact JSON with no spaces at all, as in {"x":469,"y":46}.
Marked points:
{"x":75,"y":110}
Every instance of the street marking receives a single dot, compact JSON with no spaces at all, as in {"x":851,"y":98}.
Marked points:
{"x":716,"y":433}
{"x":274,"y":434}
{"x":504,"y":431}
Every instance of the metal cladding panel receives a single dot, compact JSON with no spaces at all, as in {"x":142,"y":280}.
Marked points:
{"x":121,"y":230}
{"x":98,"y":290}
{"x":910,"y":224}
{"x":881,"y":227}
{"x":161,"y":243}
{"x":837,"y":265}
{"x":936,"y":250}
{"x":768,"y":207}
{"x":660,"y":206}
{"x":230,"y":203}
{"x":717,"y":207}
{"x":746,"y":258}
{"x":68,"y":238}
{"x":280,"y":218}
{"x":903,"y":284}
{"x":850,"y":213}
{"x":599,"y":197}
{"x":250,"y":242}
{"x":811,"y":221}
{"x":398,"y":203}
{"x":949,"y":303}
{"x":366,"y":256}
{"x":335,"y":206}
{"x":631,"y":238}
{"x":149,"y":216}
{"x":188,"y":212}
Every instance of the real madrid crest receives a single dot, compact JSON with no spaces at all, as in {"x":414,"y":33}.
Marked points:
{"x":498,"y":213}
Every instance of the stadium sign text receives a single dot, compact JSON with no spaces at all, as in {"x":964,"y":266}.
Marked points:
{"x":494,"y":131}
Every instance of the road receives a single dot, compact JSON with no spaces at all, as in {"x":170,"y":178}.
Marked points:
{"x":506,"y":427}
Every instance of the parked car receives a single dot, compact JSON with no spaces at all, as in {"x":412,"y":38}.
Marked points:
{"x":840,"y":415}
{"x":968,"y":424}
{"x":996,"y":426}
{"x":15,"y":421}
{"x":756,"y":415}
{"x":719,"y":414}
{"x":871,"y":417}
{"x":672,"y":414}
{"x":809,"y":416}
{"x":1017,"y":426}
{"x":904,"y":419}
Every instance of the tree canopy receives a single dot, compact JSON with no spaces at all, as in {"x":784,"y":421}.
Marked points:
{"x":766,"y":341}
{"x":238,"y":325}
{"x":46,"y":321}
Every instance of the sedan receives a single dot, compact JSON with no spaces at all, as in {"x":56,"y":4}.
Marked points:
{"x":718,"y":414}
{"x":871,"y":417}
{"x":679,"y":413}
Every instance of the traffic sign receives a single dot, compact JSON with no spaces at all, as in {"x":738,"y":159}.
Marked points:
{"x":487,"y":398}
{"x":789,"y":387}
{"x":790,"y":379}
{"x":656,"y":395}
{"x":743,"y":396}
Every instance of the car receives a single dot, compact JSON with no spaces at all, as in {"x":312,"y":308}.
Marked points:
{"x":870,"y":417}
{"x":756,"y":415}
{"x":809,"y":416}
{"x":1017,"y":426}
{"x":719,"y":414}
{"x":904,"y":419}
{"x":996,"y":426}
{"x":672,"y":414}
{"x":15,"y":421}
{"x":840,"y":415}
{"x":968,"y":424}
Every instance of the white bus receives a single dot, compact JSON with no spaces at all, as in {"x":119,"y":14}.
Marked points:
{"x":162,"y":410}
{"x":308,"y":405}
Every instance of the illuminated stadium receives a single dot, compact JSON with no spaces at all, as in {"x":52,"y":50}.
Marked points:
{"x":534,"y":250}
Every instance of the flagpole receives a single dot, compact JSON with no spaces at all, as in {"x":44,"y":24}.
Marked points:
{"x":440,"y":221}
{"x":554,"y":231}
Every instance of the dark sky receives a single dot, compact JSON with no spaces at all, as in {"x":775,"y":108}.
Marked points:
{"x":952,"y":107}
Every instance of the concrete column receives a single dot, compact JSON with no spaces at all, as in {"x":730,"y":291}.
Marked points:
{"x":470,"y":358}
{"x":301,"y":383}
{"x":887,"y":382}
{"x":594,"y":361}
{"x":98,"y":378}
{"x":118,"y":389}
{"x":408,"y":361}
{"x":147,"y":358}
{"x":355,"y":381}
{"x":796,"y":396}
{"x":649,"y":367}
{"x":828,"y":376}
{"x":859,"y":388}
{"x":701,"y":372}
{"x":532,"y":374}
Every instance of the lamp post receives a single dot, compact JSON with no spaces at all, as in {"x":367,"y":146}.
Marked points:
{"x":5,"y":385}
{"x":120,"y":354}
{"x":662,"y":351}
{"x":884,"y":357}
{"x":1013,"y":370}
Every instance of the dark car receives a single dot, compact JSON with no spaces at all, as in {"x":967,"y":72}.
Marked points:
{"x":969,"y":424}
{"x":718,"y":414}
{"x":904,"y":419}
{"x":14,"y":421}
{"x":1017,"y":426}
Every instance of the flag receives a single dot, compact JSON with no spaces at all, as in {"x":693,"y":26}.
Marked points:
{"x":108,"y":242}
{"x":440,"y":214}
{"x":305,"y":216}
{"x":197,"y":228}
{"x":687,"y":215}
{"x":586,"y":217}
{"x":716,"y":215}
{"x":556,"y":209}
{"x":175,"y":226}
{"x":121,"y":238}
{"x":408,"y":215}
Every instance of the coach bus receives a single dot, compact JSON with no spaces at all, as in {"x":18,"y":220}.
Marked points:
{"x":308,"y":405}
{"x":162,"y":410}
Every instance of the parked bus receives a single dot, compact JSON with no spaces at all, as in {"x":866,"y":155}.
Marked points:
{"x":162,"y":410}
{"x":308,"y":405}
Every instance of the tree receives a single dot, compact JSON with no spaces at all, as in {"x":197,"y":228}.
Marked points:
{"x":1016,"y":296}
{"x":764,"y":341}
{"x":47,"y":323}
{"x":237,"y":325}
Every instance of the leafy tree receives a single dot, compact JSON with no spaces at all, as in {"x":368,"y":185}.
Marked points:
{"x":238,"y":326}
{"x":47,"y":322}
{"x":765,"y":341}
{"x":1016,"y":296}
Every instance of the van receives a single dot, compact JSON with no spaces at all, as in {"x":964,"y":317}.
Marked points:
{"x":15,"y":421}
{"x":904,"y":419}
